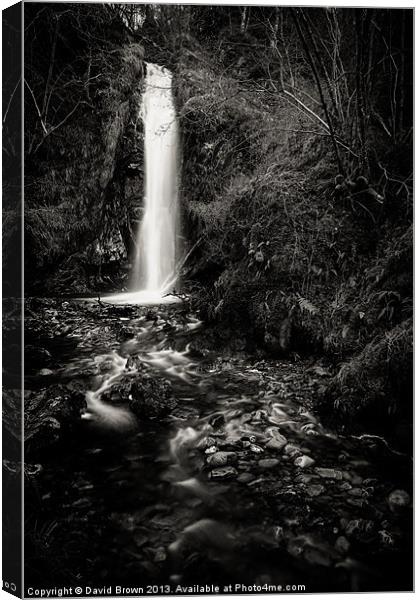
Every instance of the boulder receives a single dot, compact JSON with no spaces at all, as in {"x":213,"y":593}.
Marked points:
{"x":37,"y":357}
{"x":329,"y":473}
{"x":303,"y":462}
{"x":223,"y":473}
{"x":276,"y":443}
{"x":398,"y":501}
{"x":220,"y":459}
{"x":151,"y":397}
{"x":50,"y":414}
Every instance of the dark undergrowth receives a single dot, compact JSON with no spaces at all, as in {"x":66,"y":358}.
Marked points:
{"x":292,"y":252}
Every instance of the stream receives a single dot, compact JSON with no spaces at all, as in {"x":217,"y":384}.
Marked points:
{"x":231,"y":480}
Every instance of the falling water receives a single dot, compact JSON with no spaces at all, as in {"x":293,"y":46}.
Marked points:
{"x":155,"y":265}
{"x":154,"y":270}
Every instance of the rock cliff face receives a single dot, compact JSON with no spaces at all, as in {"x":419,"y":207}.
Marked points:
{"x":80,"y":154}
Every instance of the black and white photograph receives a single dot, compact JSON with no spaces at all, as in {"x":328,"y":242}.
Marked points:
{"x":207,"y":299}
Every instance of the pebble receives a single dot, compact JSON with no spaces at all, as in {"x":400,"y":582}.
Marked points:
{"x":46,"y":372}
{"x":268,"y":463}
{"x":304,"y":461}
{"x":345,"y":486}
{"x":357,"y":492}
{"x":329,"y":473}
{"x":276,"y":443}
{"x":220,"y":459}
{"x":316,"y":556}
{"x":342,"y":544}
{"x":359,"y":502}
{"x":360,"y":528}
{"x":398,"y":500}
{"x":223,"y":473}
{"x":245,"y":478}
{"x":256,"y":449}
{"x":206,"y":442}
{"x":315,"y":490}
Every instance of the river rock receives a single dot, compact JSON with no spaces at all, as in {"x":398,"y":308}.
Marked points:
{"x":268,"y":463}
{"x":317,"y":556}
{"x":304,"y":461}
{"x":256,"y":449}
{"x":276,"y":443}
{"x":291,"y":450}
{"x":50,"y":414}
{"x":37,"y":357}
{"x":245,"y":477}
{"x":217,"y":421}
{"x":398,"y":501}
{"x":151,"y":396}
{"x":329,"y":473}
{"x":207,"y":442}
{"x":223,"y":473}
{"x":345,"y":486}
{"x":220,"y":459}
{"x":359,"y":502}
{"x":125,"y":332}
{"x":46,"y":372}
{"x":315,"y":490}
{"x":342,"y":544}
{"x":357,"y":492}
{"x":360,"y":529}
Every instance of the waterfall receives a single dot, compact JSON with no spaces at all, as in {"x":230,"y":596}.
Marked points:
{"x":154,"y":269}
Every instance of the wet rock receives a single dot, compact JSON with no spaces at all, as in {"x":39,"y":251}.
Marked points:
{"x":151,"y":397}
{"x":357,"y":492}
{"x":125,"y":332}
{"x":217,"y":421}
{"x":398,"y":501}
{"x":329,"y":473}
{"x":37,"y":357}
{"x":359,"y":502}
{"x":256,"y":449}
{"x":345,"y":486}
{"x":223,"y":473}
{"x":268,"y":463}
{"x":387,"y":539}
{"x":50,"y":414}
{"x":46,"y":372}
{"x":342,"y":544}
{"x":291,"y":450}
{"x":245,"y":478}
{"x":276,"y":443}
{"x":207,"y":442}
{"x":303,"y":462}
{"x":317,"y":556}
{"x":304,"y":478}
{"x":315,"y":490}
{"x":360,"y":529}
{"x":220,"y":459}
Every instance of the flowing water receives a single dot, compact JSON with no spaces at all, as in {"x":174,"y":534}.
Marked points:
{"x":133,"y":498}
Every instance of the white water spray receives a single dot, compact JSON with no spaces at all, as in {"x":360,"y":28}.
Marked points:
{"x":155,"y":263}
{"x":104,"y":416}
{"x":155,"y":266}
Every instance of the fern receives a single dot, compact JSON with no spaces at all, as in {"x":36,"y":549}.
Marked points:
{"x":307,"y":306}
